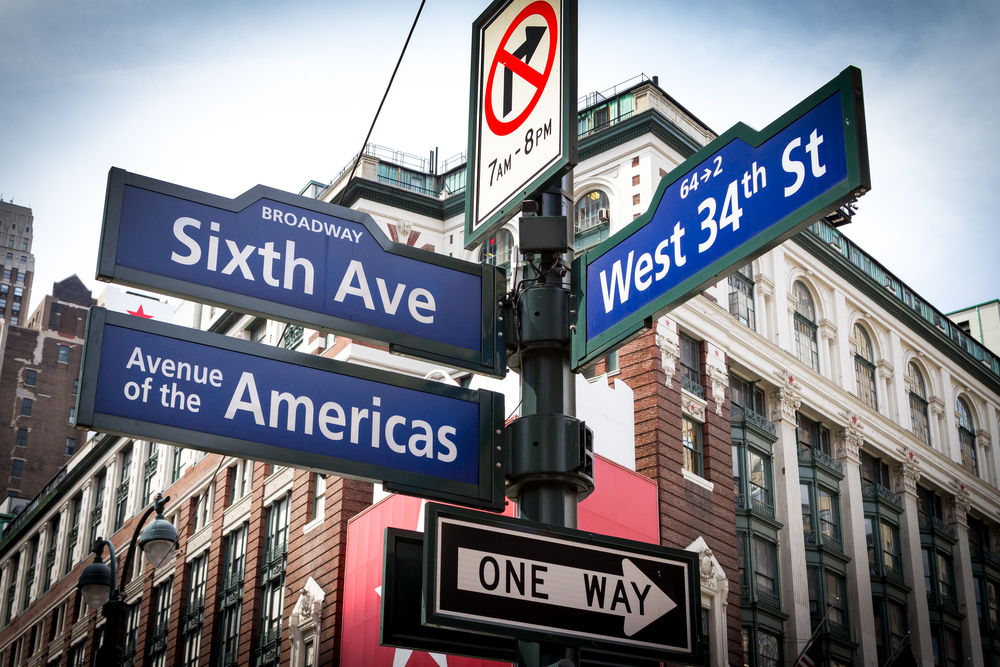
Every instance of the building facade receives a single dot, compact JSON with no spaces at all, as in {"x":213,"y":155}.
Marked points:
{"x":818,"y":431}
{"x":17,"y":231}
{"x":38,"y":381}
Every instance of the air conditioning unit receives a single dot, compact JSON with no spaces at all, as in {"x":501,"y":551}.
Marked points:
{"x":603,"y":215}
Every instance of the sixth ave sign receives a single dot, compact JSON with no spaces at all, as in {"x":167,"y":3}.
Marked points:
{"x":510,"y":577}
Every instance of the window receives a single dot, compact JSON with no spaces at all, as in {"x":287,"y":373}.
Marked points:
{"x":891,"y":555}
{"x":828,"y":511}
{"x":12,"y":571}
{"x":72,"y":417}
{"x":292,"y":338}
{"x":231,"y":601}
{"x":76,"y":386}
{"x":952,"y":648}
{"x":22,"y":437}
{"x":76,"y":654}
{"x":6,"y":272}
{"x":768,"y":654}
{"x":319,"y":495}
{"x":203,"y":509}
{"x":100,"y":482}
{"x":746,"y":395}
{"x":161,"y":623}
{"x":992,"y":602}
{"x":764,"y":567}
{"x":14,"y":320}
{"x":76,"y":510}
{"x":690,"y":364}
{"x":273,"y":582}
{"x":806,"y":501}
{"x":812,"y":434}
{"x":741,"y":304}
{"x":864,"y":368}
{"x":897,"y":625}
{"x":946,"y":578}
{"x":691,"y":436}
{"x":918,"y":404}
{"x":836,"y":597}
{"x":26,"y":407}
{"x":70,"y":446}
{"x":50,"y":554}
{"x":63,"y":354}
{"x":240,"y":482}
{"x":121,"y":495}
{"x":175,"y":464}
{"x":806,"y":345}
{"x":194,"y":611}
{"x":131,"y":632}
{"x":17,"y":469}
{"x":497,"y":250}
{"x":760,"y":483}
{"x":148,"y":472}
{"x":592,"y":219}
{"x":30,"y":377}
{"x":967,"y":436}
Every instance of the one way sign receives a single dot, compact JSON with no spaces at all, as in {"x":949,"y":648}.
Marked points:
{"x":509,"y":577}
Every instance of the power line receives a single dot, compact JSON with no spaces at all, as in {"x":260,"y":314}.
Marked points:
{"x":354,"y":168}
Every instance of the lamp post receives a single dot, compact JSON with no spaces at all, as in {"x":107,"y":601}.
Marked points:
{"x":97,"y":581}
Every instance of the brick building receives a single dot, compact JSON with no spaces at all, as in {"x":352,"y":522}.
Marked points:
{"x":38,"y":377}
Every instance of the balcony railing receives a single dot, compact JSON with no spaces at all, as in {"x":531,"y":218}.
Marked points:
{"x":768,"y":599}
{"x":692,"y":387}
{"x":738,"y":413}
{"x":407,"y":186}
{"x":762,"y":507}
{"x":895,"y":288}
{"x":813,"y":455}
{"x":879,"y":492}
{"x":928,"y":522}
{"x":23,"y":513}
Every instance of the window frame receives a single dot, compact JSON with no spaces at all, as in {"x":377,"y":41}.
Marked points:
{"x":864,"y":368}
{"x":741,"y":296}
{"x":805,"y":327}
{"x":967,"y":436}
{"x":693,"y":447}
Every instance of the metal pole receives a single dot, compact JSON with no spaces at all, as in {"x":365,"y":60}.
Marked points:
{"x":550,"y":461}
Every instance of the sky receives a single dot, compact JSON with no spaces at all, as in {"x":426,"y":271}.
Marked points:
{"x":219,"y":96}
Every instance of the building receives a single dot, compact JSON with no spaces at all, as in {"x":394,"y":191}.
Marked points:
{"x":981,"y":323}
{"x":17,"y":230}
{"x":815,"y":429}
{"x":38,"y":380}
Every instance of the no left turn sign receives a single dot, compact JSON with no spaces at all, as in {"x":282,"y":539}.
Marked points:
{"x":524,"y":90}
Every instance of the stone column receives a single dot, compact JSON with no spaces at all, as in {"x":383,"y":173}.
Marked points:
{"x":848,"y":451}
{"x":935,"y":409}
{"x":905,"y":477}
{"x":782,"y":404}
{"x":886,"y":400}
{"x":965,"y":585}
{"x":827,"y":339}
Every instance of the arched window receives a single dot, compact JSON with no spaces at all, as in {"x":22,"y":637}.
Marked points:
{"x":918,"y":404}
{"x":806,"y":346}
{"x":593,"y":220}
{"x":497,"y":250}
{"x":967,"y":436}
{"x":864,"y":368}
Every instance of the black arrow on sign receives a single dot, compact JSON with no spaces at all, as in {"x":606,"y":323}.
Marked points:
{"x":533,"y":35}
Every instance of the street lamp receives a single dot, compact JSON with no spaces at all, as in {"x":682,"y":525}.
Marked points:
{"x":97,"y":581}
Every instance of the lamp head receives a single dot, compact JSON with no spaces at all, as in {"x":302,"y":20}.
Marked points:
{"x":159,"y":539}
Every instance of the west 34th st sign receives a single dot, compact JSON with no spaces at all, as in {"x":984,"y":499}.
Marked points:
{"x":734,"y":200}
{"x":299,"y":260}
{"x":147,"y":379}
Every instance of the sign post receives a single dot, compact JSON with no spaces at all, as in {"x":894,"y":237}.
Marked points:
{"x":146,"y":379}
{"x":502,"y":576}
{"x":522,"y":133}
{"x":281,"y":256}
{"x":740,"y":196}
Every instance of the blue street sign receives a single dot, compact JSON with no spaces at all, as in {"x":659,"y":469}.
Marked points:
{"x":304,"y":261}
{"x":741,"y":195}
{"x":170,"y":384}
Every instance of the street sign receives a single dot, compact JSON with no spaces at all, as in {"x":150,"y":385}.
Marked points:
{"x":522,"y":129}
{"x":291,"y":258}
{"x":502,"y":576}
{"x":146,"y":379}
{"x":732,"y":201}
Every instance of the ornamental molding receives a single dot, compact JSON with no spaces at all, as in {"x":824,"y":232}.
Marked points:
{"x":720,"y":380}
{"x":849,"y":438}
{"x":785,"y":399}
{"x":670,"y":348}
{"x":936,"y":405}
{"x":693,"y":407}
{"x":885,"y":369}
{"x":763,"y":284}
{"x":713,"y":579}
{"x":907,"y":472}
{"x":983,"y":438}
{"x":308,"y":609}
{"x":959,"y":505}
{"x":827,"y":329}
{"x":403,"y":228}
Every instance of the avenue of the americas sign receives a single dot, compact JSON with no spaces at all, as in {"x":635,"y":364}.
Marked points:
{"x":509,"y":577}
{"x":522,"y":129}
{"x":300,"y":260}
{"x":734,"y":200}
{"x":169,"y":384}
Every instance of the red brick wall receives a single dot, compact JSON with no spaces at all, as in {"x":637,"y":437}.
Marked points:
{"x":687,"y":510}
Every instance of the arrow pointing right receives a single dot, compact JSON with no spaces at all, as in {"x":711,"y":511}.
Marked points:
{"x":631,"y":595}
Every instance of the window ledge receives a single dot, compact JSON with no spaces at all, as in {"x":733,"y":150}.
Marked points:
{"x":313,"y":525}
{"x":698,"y":479}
